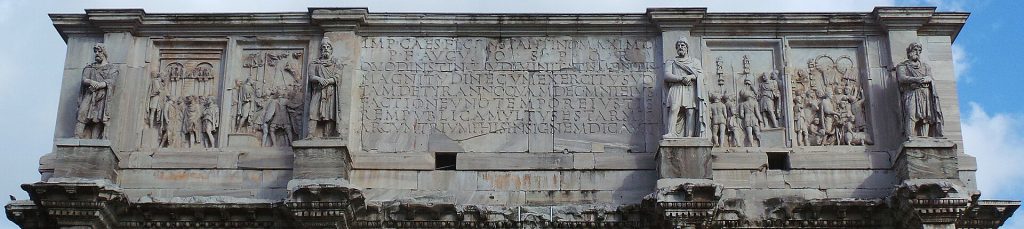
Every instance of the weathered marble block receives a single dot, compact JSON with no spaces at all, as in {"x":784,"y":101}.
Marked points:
{"x":685,"y":158}
{"x":321,"y":159}
{"x":927,"y":159}
{"x":85,"y":158}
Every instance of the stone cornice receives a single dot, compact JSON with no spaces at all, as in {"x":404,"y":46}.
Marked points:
{"x":116,"y":20}
{"x":338,"y":19}
{"x":676,"y":18}
{"x":362,"y":21}
{"x":903,"y":18}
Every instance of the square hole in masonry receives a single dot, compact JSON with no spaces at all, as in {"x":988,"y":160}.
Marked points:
{"x":778,"y":161}
{"x":444,"y":161}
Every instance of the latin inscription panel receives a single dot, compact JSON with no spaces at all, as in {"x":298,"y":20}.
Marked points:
{"x":537,"y":94}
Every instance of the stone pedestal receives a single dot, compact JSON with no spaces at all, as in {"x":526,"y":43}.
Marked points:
{"x":320,"y":195}
{"x":321,"y":159}
{"x":931,"y":195}
{"x":84,"y":159}
{"x":685,"y":158}
{"x":75,"y":203}
{"x":80,"y":193}
{"x":927,"y":159}
{"x":686,"y":197}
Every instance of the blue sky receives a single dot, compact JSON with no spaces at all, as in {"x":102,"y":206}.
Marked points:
{"x":987,"y":54}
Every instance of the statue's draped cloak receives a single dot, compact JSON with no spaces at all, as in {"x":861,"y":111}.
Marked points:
{"x":94,"y":104}
{"x":324,"y":101}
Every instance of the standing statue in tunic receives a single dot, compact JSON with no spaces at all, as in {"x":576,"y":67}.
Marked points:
{"x":324,"y":77}
{"x":751,"y":118}
{"x":244,"y":99}
{"x":211,"y":121}
{"x":682,"y":77}
{"x":156,"y":100}
{"x":922,"y":114}
{"x":769,"y":95}
{"x":193,"y":120}
{"x":97,"y":91}
{"x":172,"y":118}
{"x":719,"y":116}
{"x":275,"y":119}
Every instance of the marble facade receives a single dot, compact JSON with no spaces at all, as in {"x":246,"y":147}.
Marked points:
{"x":347,"y":118}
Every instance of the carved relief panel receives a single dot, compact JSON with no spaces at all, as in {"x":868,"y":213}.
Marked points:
{"x":745,"y":89}
{"x":267,"y":96}
{"x":183,"y":109}
{"x":829,"y":102}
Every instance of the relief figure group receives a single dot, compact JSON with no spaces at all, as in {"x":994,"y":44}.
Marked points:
{"x":826,"y":99}
{"x":828,"y":102}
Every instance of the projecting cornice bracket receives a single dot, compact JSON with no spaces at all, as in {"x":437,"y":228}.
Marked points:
{"x":338,"y":19}
{"x":676,"y":18}
{"x":116,"y":20}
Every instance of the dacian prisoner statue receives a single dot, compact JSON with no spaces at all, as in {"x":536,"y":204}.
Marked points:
{"x":324,"y":78}
{"x":682,"y":75}
{"x":97,"y":90}
{"x":922,"y":114}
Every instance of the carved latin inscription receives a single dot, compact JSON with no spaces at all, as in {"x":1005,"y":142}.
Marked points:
{"x":467,"y":87}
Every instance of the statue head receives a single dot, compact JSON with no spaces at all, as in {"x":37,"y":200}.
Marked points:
{"x":326,"y":49}
{"x":101,"y":53}
{"x":914,"y":51}
{"x":682,"y":47}
{"x":775,"y":74}
{"x":810,"y":64}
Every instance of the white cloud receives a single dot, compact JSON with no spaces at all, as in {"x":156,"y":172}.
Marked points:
{"x":994,"y":139}
{"x":961,"y":63}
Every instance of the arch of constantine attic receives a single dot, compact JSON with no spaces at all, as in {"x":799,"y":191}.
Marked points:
{"x":346,"y":118}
